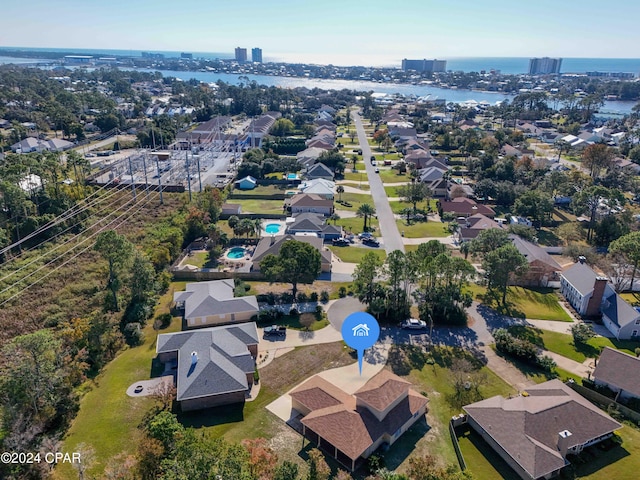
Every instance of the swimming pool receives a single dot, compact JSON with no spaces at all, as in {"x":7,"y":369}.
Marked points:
{"x":272,"y":228}
{"x":292,"y":176}
{"x":236,"y":253}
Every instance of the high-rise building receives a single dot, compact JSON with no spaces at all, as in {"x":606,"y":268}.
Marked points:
{"x":544,"y":66}
{"x":256,"y":55}
{"x":241,"y":55}
{"x":424,"y":65}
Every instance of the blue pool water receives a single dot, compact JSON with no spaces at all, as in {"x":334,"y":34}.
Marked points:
{"x":236,"y":253}
{"x":292,"y":176}
{"x":272,"y":228}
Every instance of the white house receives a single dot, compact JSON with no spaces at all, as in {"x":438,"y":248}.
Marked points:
{"x":583,"y":288}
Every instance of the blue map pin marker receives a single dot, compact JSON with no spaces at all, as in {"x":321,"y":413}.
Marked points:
{"x":360,"y":331}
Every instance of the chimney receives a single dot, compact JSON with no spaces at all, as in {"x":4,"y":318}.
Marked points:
{"x":593,"y":307}
{"x":564,"y":438}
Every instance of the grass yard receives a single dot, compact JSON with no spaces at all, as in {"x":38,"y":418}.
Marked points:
{"x":620,"y":463}
{"x":355,"y":224}
{"x":360,"y":175}
{"x":355,"y":199}
{"x":434,"y":380}
{"x":262,"y":190}
{"x":534,"y":303}
{"x":355,"y":254}
{"x":423,"y":229}
{"x":632,"y":298}
{"x":482,"y":460}
{"x":562,"y":343}
{"x":107,"y":420}
{"x":360,"y":185}
{"x":388,"y":175}
{"x":392,"y":191}
{"x":200,"y":259}
{"x":306,"y":321}
{"x":260,"y":206}
{"x":397,"y":206}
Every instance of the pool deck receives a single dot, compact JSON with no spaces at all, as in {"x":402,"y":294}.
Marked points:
{"x":281,"y":230}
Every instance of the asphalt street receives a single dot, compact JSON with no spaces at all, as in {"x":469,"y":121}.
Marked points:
{"x":386,"y":218}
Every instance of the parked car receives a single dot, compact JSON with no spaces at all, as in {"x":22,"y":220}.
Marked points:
{"x":340,"y":242}
{"x":371,"y":242}
{"x":364,"y":235}
{"x":414,"y":324}
{"x":276,"y":330}
{"x":377,"y":170}
{"x":374,"y":163}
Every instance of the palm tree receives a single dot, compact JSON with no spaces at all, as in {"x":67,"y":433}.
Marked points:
{"x":257,"y":227}
{"x":366,"y":211}
{"x":340,"y":191}
{"x":335,"y":217}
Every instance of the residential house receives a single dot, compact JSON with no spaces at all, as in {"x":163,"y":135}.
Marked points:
{"x":620,"y":372}
{"x":309,"y":156}
{"x":511,"y":151}
{"x":272,"y":245}
{"x":535,"y":431}
{"x":620,"y":318}
{"x":464,"y":207}
{"x":470,"y":227}
{"x":352,"y":427}
{"x":434,"y":178}
{"x":319,"y":170}
{"x":246,"y":183}
{"x":304,"y":202}
{"x":313,"y":223}
{"x":213,"y":303}
{"x":322,"y":143}
{"x":32,"y":144}
{"x":515,"y":220}
{"x":418,"y":158}
{"x":542,"y":267}
{"x":583,"y":288}
{"x":319,"y":186}
{"x":212,"y":366}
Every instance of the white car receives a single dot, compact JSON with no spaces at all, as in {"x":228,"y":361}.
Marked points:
{"x":414,"y":324}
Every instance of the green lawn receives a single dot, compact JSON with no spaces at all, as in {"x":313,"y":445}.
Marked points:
{"x":632,"y":298}
{"x":619,"y":463}
{"x":392,"y":191}
{"x":423,"y":229}
{"x":360,"y":185}
{"x":360,"y":175}
{"x":355,"y":254}
{"x":260,"y":206}
{"x":355,"y":199}
{"x":534,"y":303}
{"x":355,"y":224}
{"x":434,"y":380}
{"x":398,"y":206}
{"x":562,"y":343}
{"x":482,"y":460}
{"x":388,"y":175}
{"x":307,"y":321}
{"x":108,"y":418}
{"x":262,"y":190}
{"x":200,"y":259}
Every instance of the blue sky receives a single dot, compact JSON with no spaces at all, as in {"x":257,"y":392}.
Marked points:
{"x":366,"y":32}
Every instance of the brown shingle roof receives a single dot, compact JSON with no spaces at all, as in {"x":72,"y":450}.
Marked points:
{"x":317,"y":393}
{"x":620,"y":370}
{"x":382,"y":390}
{"x":466,"y":206}
{"x":310,"y":200}
{"x":527,"y":427}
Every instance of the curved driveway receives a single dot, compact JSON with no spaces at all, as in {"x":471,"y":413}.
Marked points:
{"x":387,"y":220}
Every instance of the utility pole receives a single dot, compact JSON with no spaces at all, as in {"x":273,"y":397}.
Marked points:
{"x":199,"y":174}
{"x":146,"y":181}
{"x":133,"y":185}
{"x":188,"y":177}
{"x":159,"y":180}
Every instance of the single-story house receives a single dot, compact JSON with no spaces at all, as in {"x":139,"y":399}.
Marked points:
{"x":213,"y":366}
{"x":32,"y":144}
{"x":319,"y":170}
{"x":470,"y":227}
{"x":246,"y":183}
{"x":515,"y":220}
{"x":620,"y":372}
{"x":542,"y":267}
{"x":433,"y":177}
{"x":620,"y":318}
{"x":309,"y":156}
{"x":352,"y":427}
{"x":583,"y":288}
{"x":536,"y":430}
{"x":464,"y":207}
{"x":320,"y":143}
{"x":213,"y":303}
{"x":272,"y":245}
{"x":318,"y":186}
{"x":313,"y":223}
{"x":309,"y":202}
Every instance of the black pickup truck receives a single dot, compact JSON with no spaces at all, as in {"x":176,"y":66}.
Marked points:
{"x":275,"y":330}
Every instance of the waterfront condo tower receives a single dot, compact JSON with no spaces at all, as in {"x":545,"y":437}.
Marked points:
{"x":424,"y":65}
{"x":544,"y":66}
{"x":256,"y":55}
{"x":241,"y":55}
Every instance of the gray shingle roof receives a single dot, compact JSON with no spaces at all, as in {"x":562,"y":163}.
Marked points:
{"x":213,"y":298}
{"x":619,"y":311}
{"x":581,"y":277}
{"x":223,"y":359}
{"x":619,"y":369}
{"x":534,"y":252}
{"x":527,"y":427}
